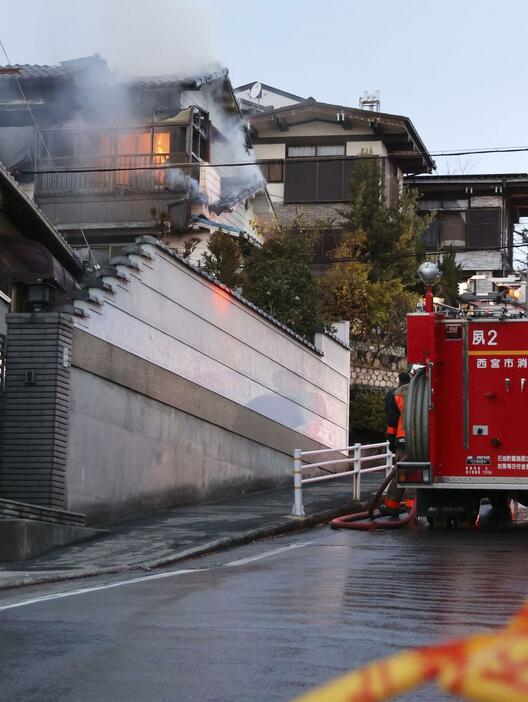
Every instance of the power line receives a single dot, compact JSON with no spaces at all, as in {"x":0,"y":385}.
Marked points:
{"x":239,"y":164}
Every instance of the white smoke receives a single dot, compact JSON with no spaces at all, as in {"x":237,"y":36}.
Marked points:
{"x":135,"y":37}
{"x":177,"y":179}
{"x":232,"y":146}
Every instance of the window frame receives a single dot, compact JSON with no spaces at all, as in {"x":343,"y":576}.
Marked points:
{"x":316,"y":148}
{"x":465,"y":213}
{"x":266,"y":166}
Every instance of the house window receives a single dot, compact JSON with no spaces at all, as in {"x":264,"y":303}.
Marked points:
{"x":318,"y":181}
{"x":273,"y":171}
{"x":474,"y":228}
{"x":452,"y":229}
{"x":331,"y":150}
{"x":323,"y":150}
{"x":301,"y":151}
{"x":483,"y":227}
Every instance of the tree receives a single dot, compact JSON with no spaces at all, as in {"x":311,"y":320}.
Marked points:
{"x":373,"y":280}
{"x":388,"y":237}
{"x":223,"y":259}
{"x":189,"y":245}
{"x":278,"y":277}
{"x":451,"y":276}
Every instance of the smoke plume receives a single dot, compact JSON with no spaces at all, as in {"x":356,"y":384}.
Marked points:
{"x":139,"y":38}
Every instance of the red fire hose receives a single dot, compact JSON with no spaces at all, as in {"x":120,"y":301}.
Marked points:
{"x":371,"y":519}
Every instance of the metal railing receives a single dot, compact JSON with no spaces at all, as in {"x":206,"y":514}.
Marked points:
{"x":357,"y":459}
{"x":57,"y":182}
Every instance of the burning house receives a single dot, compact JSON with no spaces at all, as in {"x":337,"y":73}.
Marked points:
{"x":144,"y":384}
{"x":108,"y":158}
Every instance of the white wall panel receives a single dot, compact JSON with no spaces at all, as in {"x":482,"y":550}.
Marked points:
{"x":174,"y":318}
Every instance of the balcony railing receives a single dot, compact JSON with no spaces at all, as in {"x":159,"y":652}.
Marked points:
{"x":111,"y":175}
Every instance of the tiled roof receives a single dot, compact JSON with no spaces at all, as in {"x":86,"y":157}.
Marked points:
{"x":67,"y":69}
{"x":28,"y":72}
{"x":189,"y":83}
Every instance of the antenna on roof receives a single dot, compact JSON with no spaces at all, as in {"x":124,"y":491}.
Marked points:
{"x":255,"y":92}
{"x":370,"y":101}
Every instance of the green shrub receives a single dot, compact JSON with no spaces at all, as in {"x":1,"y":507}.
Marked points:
{"x":367,"y":411}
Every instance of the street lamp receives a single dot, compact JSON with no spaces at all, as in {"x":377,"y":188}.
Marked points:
{"x":429,"y":274}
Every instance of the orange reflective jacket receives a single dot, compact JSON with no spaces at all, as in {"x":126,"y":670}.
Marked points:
{"x":395,"y":405}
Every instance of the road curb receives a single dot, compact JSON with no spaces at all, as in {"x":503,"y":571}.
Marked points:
{"x":285,"y":526}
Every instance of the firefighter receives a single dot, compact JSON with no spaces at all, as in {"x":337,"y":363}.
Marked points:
{"x":394,"y":404}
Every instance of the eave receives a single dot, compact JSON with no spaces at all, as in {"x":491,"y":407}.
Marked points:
{"x":33,"y":224}
{"x":396,"y":132}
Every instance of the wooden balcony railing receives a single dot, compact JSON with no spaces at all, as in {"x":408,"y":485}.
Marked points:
{"x":124,"y":175}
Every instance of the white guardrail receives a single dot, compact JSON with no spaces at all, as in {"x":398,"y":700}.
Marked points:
{"x":357,"y":459}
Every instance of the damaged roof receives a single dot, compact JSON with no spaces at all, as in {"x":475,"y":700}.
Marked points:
{"x":194,"y":83}
{"x":72,"y":67}
{"x":66,"y":69}
{"x":230,"y":199}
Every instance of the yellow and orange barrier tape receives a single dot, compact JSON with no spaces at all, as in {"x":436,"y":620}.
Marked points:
{"x":483,"y":668}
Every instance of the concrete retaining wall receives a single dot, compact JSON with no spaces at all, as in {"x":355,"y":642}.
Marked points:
{"x":130,"y":454}
{"x":181,"y":391}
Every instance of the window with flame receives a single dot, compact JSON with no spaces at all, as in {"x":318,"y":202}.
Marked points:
{"x":121,"y":157}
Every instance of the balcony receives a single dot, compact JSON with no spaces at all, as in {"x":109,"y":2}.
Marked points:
{"x":117,"y":175}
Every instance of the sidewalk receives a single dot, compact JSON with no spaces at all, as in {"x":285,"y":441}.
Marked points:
{"x":183,"y":532}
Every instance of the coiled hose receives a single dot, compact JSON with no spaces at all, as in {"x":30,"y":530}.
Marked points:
{"x":371,"y":519}
{"x":416,"y":419}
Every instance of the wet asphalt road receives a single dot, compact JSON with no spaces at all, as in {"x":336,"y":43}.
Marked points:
{"x":307,"y":608}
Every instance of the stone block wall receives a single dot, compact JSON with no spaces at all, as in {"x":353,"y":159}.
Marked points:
{"x":312,"y":214}
{"x":381,"y":378}
{"x":36,"y":409}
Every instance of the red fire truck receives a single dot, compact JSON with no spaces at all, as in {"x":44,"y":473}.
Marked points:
{"x":466,"y":413}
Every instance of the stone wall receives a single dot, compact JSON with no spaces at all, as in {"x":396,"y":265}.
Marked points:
{"x":312,"y":214}
{"x":367,"y":377}
{"x":376,"y":373}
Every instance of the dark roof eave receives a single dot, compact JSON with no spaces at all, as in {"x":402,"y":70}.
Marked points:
{"x":492,"y":178}
{"x":363,"y":115}
{"x":53,"y":240}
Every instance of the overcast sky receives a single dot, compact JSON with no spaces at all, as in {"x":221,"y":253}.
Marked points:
{"x":457,"y":68}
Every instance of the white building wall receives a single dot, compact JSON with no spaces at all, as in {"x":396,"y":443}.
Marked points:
{"x":268,"y":98}
{"x":178,"y":320}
